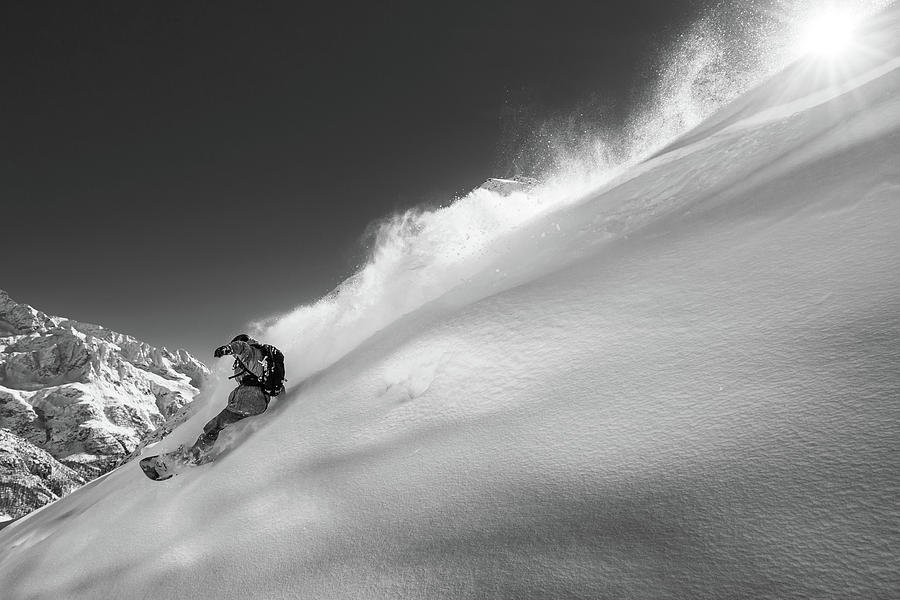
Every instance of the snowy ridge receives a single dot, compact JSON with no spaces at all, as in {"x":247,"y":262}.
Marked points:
{"x":680,"y":383}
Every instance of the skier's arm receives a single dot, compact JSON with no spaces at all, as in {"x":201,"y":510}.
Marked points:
{"x":241,"y":349}
{"x":247,"y":357}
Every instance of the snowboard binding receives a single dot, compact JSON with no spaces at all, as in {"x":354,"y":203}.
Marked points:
{"x":160,"y":467}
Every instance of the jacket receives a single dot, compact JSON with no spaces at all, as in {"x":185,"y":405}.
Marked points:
{"x":247,"y":400}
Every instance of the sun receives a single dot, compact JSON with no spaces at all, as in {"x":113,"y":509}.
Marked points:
{"x":828,"y":34}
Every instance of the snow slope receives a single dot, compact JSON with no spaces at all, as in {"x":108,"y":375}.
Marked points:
{"x":682,"y":385}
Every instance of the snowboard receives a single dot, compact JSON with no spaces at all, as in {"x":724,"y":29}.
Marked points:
{"x":160,"y":467}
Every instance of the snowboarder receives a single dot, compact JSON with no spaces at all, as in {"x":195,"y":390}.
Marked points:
{"x":259,"y":371}
{"x":249,"y":398}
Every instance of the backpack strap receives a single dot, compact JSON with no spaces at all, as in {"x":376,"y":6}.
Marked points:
{"x":247,"y":371}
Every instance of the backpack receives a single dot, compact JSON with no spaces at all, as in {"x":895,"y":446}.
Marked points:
{"x":273,"y":380}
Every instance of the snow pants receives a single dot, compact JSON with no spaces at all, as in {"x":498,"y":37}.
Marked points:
{"x":211,"y":430}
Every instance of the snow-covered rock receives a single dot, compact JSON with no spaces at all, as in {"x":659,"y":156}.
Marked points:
{"x":30,"y":477}
{"x":21,"y":318}
{"x":83,"y":393}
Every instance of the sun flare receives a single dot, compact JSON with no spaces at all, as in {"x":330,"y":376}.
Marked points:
{"x":829,"y":34}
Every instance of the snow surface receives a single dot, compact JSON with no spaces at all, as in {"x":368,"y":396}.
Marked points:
{"x":683,"y":384}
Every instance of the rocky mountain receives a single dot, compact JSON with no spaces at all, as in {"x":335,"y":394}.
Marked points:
{"x":75,"y":398}
{"x":30,"y":477}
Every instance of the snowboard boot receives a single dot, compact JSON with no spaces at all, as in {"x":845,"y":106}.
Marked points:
{"x":196,"y":454}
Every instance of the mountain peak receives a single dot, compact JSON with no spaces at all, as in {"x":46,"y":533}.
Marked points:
{"x":83,"y":394}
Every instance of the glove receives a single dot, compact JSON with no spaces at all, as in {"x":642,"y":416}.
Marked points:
{"x":222,"y":351}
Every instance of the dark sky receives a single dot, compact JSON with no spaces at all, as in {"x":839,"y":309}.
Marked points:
{"x":174,"y":169}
